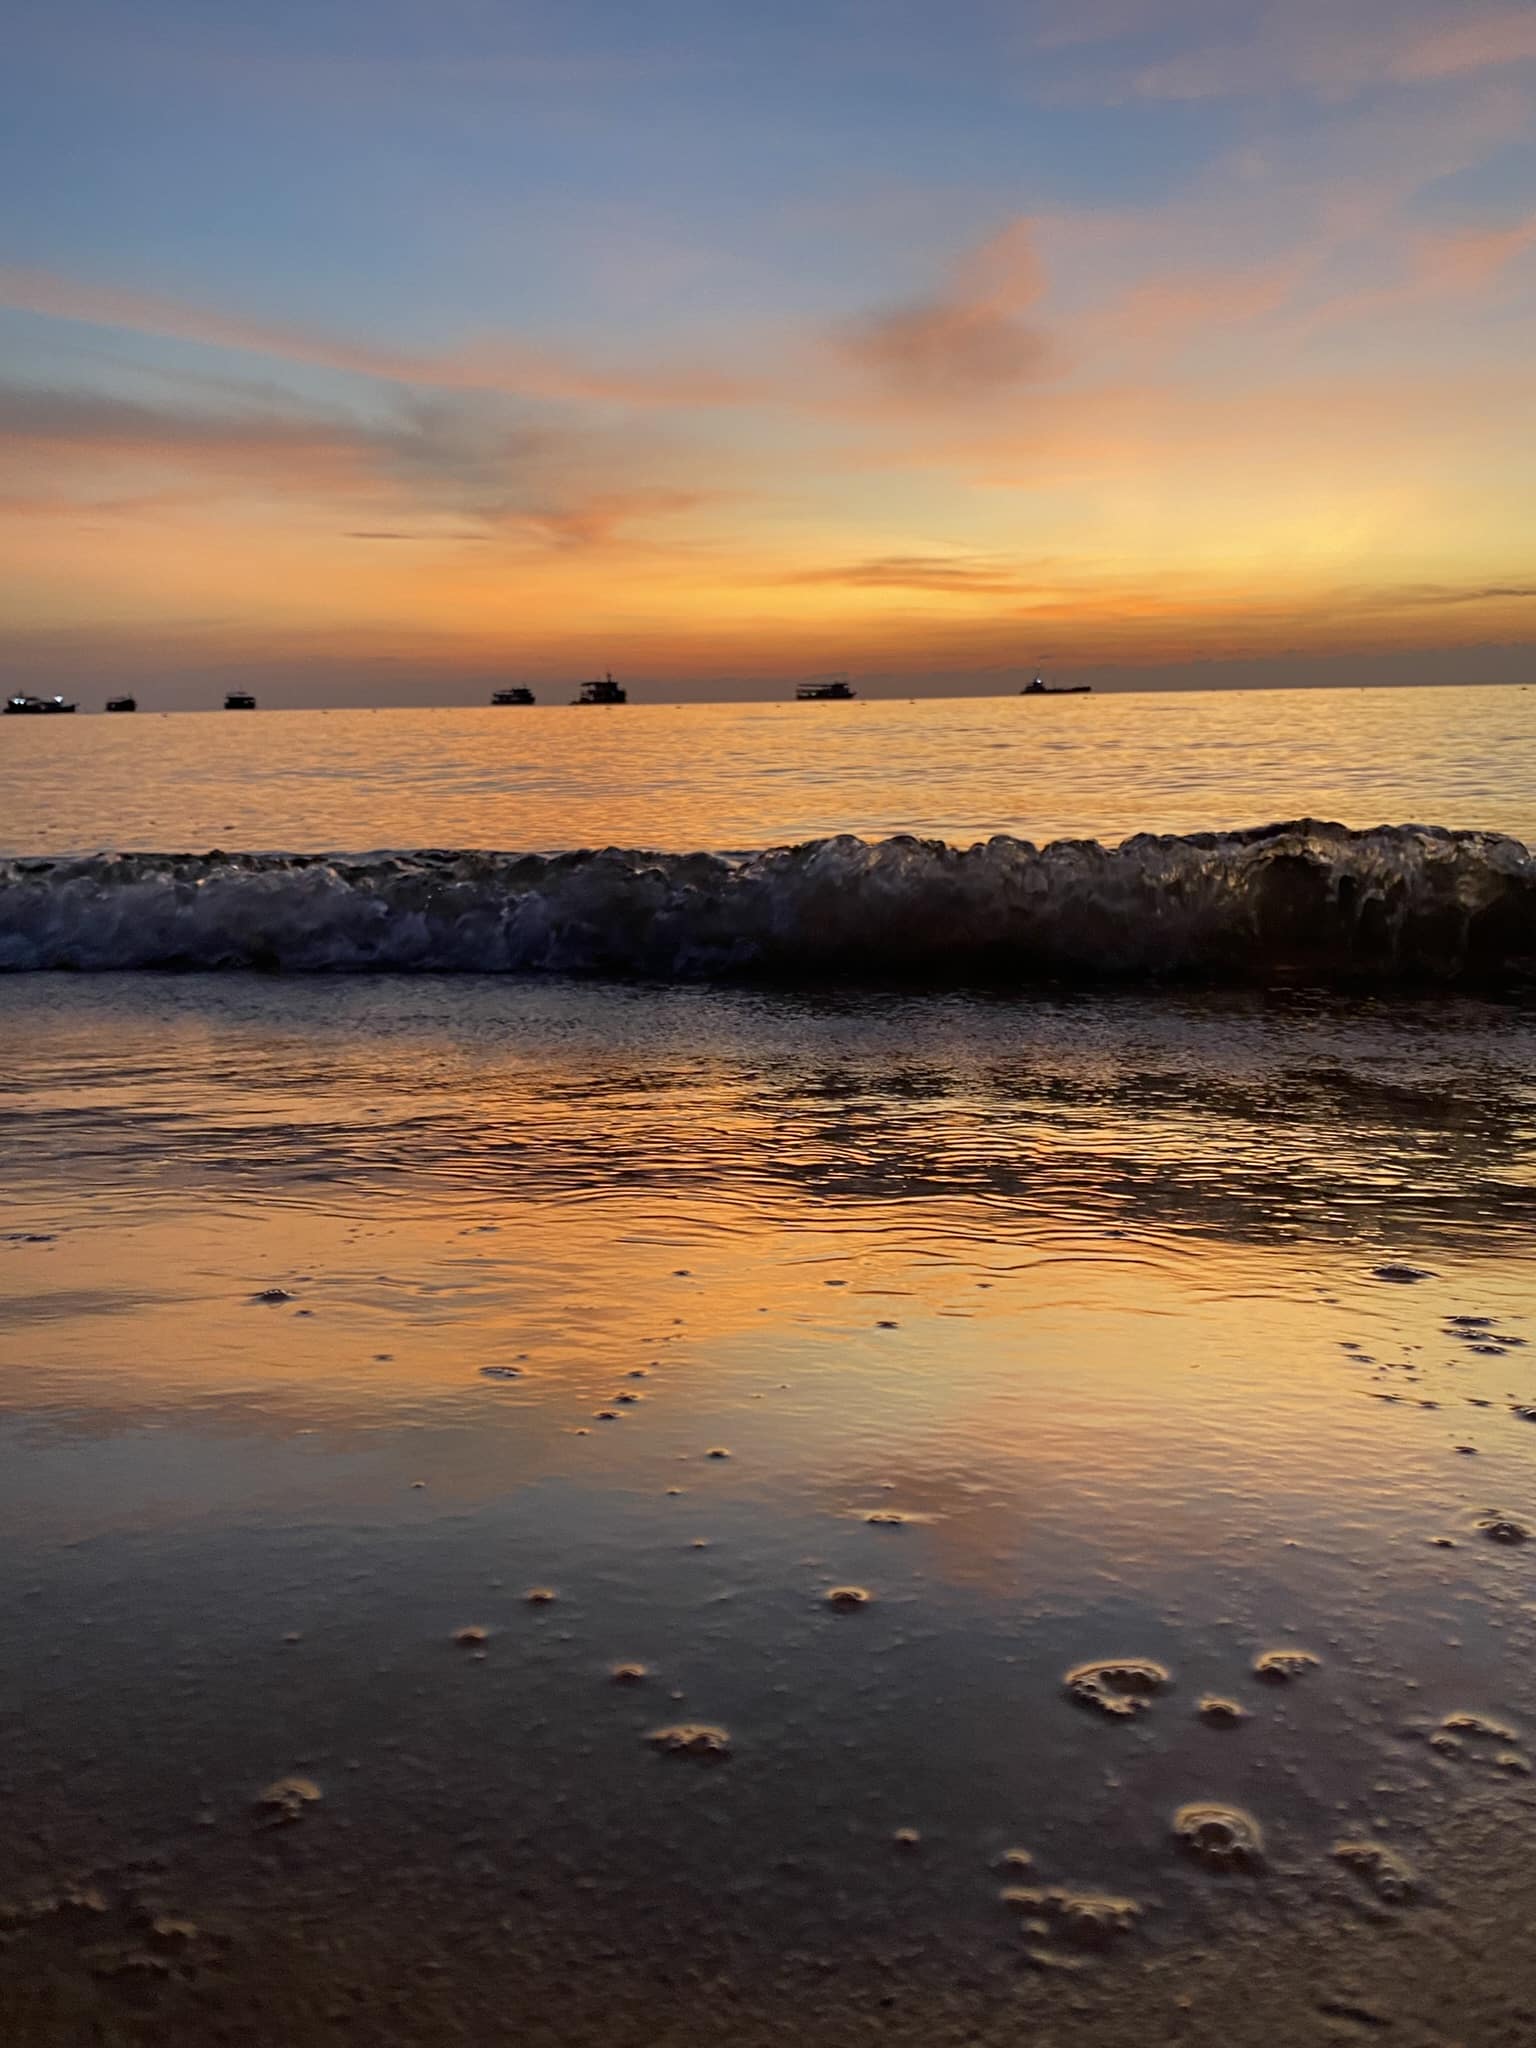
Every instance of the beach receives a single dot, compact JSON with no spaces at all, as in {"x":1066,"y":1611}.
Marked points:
{"x":789,"y":1462}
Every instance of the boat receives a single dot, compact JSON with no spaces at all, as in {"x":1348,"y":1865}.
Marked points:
{"x":122,"y":703}
{"x":512,"y":697}
{"x":27,"y":706}
{"x":239,"y":700}
{"x":1040,"y":688}
{"x":604,"y":690}
{"x":835,"y":691}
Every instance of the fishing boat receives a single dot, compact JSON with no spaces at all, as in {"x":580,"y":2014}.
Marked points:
{"x":1040,"y":688}
{"x":122,"y":703}
{"x":22,"y":707}
{"x":512,"y":696}
{"x":239,"y":700}
{"x":604,"y":690}
{"x":834,"y":691}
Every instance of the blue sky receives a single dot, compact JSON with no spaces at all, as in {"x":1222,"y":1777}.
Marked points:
{"x":726,"y":347}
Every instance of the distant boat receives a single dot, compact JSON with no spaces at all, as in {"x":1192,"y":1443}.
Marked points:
{"x":836,"y":691}
{"x":603,"y":691}
{"x":30,"y":706}
{"x":122,"y":703}
{"x":512,"y":697}
{"x":1038,"y":688}
{"x":239,"y":700}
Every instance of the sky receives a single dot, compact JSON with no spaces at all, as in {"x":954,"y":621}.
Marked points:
{"x":381,"y":351}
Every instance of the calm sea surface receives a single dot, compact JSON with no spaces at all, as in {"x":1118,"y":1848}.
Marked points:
{"x":737,"y":776}
{"x":341,"y":1315}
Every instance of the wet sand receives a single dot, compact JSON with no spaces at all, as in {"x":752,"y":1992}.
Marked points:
{"x":389,"y":1656}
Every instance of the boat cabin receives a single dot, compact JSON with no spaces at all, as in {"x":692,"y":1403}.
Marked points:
{"x":603,"y":691}
{"x":512,"y":696}
{"x":24,"y":706}
{"x":834,"y":691}
{"x":239,"y":700}
{"x":122,"y":703}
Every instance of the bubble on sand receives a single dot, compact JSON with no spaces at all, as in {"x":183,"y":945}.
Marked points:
{"x":274,"y":1295}
{"x":501,"y":1372}
{"x":693,"y":1739}
{"x":1525,"y":1411}
{"x":284,"y":1800}
{"x":1221,"y":1837}
{"x":472,"y":1638}
{"x":1218,"y":1713}
{"x":846,"y":1598}
{"x":886,"y":1324}
{"x":1471,"y":1322}
{"x":1280,"y":1667}
{"x":1015,"y":1859}
{"x":626,"y":1400}
{"x":607,"y":1415}
{"x":907,"y":1838}
{"x":1388,"y":1876}
{"x":1084,"y":1920}
{"x":1118,"y":1689}
{"x":629,"y":1674}
{"x":539,"y":1596}
{"x":639,"y":1372}
{"x":717,"y":1452}
{"x":1502,"y":1528}
{"x":885,"y":1518}
{"x":1403,"y":1275}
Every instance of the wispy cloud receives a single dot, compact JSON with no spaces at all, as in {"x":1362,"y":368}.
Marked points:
{"x":967,"y":339}
{"x":950,"y":576}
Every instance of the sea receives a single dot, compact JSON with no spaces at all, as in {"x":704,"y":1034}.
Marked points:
{"x":700,"y":1374}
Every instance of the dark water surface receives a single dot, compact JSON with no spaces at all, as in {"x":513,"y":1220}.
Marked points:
{"x":1140,"y":1314}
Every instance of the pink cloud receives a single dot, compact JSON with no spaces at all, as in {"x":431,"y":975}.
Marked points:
{"x":967,"y":339}
{"x":1503,"y":36}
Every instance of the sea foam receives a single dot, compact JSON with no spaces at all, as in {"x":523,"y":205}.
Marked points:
{"x":1319,"y":903}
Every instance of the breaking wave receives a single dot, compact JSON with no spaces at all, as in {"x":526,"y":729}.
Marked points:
{"x":1302,"y":901}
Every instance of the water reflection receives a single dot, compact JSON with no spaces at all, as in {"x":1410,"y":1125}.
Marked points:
{"x":1254,"y":1121}
{"x":1081,"y":1292}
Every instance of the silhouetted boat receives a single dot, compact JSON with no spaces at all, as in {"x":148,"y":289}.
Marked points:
{"x":239,"y":700}
{"x":512,"y":697}
{"x":30,"y":706}
{"x":603,"y":691}
{"x":836,"y":691}
{"x":1042,"y":689}
{"x":122,"y":703}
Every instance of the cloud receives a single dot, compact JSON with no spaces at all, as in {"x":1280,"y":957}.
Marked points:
{"x":952,"y":576}
{"x":1328,"y":51}
{"x":498,"y":364}
{"x":1489,"y":593}
{"x":456,"y":457}
{"x":1482,"y":43}
{"x":967,"y":340}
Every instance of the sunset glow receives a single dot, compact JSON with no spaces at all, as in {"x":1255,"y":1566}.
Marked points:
{"x":381,"y":351}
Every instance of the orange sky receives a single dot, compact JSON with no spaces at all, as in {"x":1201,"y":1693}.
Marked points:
{"x":1120,"y":339}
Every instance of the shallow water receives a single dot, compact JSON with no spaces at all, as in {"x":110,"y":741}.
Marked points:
{"x":1086,"y":1291}
{"x":738,"y":776}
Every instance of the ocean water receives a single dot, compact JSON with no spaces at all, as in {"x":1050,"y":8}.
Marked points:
{"x":1162,"y":1321}
{"x":741,"y":777}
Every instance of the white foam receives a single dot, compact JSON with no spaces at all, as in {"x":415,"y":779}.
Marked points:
{"x":1303,"y":900}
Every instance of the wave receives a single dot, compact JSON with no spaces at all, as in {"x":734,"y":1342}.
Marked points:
{"x":1300,"y":901}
